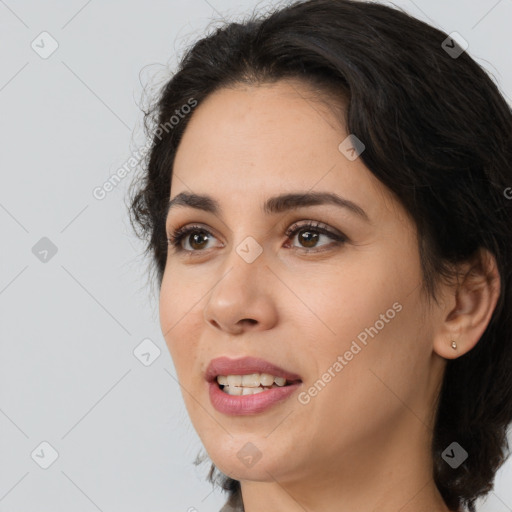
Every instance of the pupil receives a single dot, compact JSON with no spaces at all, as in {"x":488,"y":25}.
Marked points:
{"x":310,"y":242}
{"x":195,"y":236}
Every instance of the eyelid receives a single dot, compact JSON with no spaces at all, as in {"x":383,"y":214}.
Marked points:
{"x":315,"y":225}
{"x":176,"y":236}
{"x":181,"y":232}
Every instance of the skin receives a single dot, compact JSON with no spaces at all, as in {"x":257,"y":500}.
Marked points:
{"x":363,"y":442}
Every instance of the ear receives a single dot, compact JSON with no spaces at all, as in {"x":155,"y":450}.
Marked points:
{"x":468,"y":306}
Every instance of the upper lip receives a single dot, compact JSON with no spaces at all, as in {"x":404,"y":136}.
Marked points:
{"x":246,"y":366}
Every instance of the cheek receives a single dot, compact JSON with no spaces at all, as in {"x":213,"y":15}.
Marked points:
{"x":179,"y":306}
{"x":349,"y":297}
{"x":383,"y":348}
{"x":365,"y":310}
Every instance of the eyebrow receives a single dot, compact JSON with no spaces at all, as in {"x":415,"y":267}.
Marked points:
{"x":273,"y":205}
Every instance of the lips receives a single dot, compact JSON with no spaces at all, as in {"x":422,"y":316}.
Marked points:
{"x":246,"y":366}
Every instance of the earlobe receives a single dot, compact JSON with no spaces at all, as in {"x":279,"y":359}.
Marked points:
{"x":475,"y":297}
{"x":449,"y":349}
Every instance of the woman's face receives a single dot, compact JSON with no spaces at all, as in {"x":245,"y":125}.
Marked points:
{"x":347,"y":317}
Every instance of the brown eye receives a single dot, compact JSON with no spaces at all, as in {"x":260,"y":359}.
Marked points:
{"x":309,"y":234}
{"x":196,"y":236}
{"x":198,"y":239}
{"x":308,"y":237}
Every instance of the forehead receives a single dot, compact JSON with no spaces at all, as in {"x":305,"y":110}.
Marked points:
{"x":267,"y":139}
{"x":280,"y":120}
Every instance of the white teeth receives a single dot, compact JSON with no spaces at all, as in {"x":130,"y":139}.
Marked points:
{"x":280,"y":381}
{"x":252,"y":391}
{"x":233,"y":390}
{"x":266,"y":379}
{"x":253,"y":380}
{"x":234,"y":380}
{"x":238,"y":390}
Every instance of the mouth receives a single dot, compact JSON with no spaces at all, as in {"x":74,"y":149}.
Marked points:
{"x":252,"y":383}
{"x":248,"y":386}
{"x":248,"y":375}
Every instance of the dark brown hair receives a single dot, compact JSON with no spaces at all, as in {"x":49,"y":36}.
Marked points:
{"x":438,"y":134}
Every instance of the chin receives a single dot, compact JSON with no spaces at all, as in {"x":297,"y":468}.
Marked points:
{"x":261,"y":471}
{"x":246,"y":457}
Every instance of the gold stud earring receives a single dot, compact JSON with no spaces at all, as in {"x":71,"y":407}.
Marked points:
{"x":454,"y":345}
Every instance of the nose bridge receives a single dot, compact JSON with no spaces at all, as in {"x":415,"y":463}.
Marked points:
{"x":244,"y":265}
{"x":240,"y":293}
{"x":249,"y":250}
{"x":246,"y":253}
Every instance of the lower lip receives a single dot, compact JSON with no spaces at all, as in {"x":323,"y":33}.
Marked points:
{"x":248,"y":404}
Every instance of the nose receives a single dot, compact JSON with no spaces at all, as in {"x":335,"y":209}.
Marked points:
{"x":243,"y":297}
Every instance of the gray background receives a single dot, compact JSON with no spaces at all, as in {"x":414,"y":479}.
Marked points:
{"x":69,"y":325}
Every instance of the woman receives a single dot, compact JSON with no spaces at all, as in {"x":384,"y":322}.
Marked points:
{"x":325,"y":203}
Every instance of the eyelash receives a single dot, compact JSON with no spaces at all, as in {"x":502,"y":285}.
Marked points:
{"x":179,"y":234}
